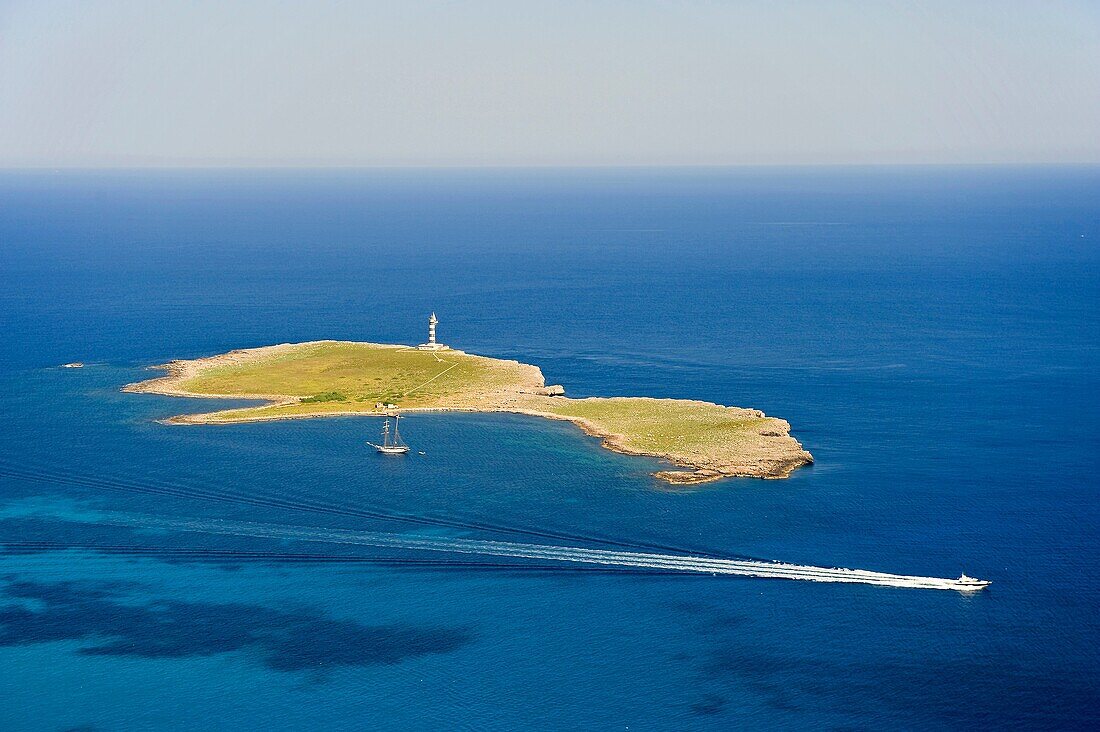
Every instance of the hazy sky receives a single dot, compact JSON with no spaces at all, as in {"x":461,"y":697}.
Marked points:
{"x":557,"y":82}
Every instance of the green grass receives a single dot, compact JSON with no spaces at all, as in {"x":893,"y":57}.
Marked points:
{"x":341,"y":376}
{"x":327,"y":396}
{"x":671,"y":426}
{"x":315,"y":379}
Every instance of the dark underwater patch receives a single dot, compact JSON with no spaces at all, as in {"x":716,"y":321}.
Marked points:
{"x":286,"y":641}
{"x":709,"y":705}
{"x":952,"y":687}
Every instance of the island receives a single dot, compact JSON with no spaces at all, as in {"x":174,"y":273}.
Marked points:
{"x":702,"y":440}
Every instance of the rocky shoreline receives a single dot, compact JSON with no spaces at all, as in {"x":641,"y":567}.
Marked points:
{"x":768,"y":452}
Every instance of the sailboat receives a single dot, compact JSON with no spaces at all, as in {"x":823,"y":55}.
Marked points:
{"x":389,"y":446}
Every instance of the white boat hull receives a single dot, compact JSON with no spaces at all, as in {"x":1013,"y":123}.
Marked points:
{"x":390,"y":449}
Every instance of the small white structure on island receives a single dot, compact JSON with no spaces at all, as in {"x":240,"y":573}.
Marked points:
{"x":432,"y":345}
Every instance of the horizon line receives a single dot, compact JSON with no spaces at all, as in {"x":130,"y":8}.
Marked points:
{"x":549,"y":166}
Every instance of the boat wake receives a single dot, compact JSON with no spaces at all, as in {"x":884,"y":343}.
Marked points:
{"x":623,"y":556}
{"x":569,"y":555}
{"x":296,"y":503}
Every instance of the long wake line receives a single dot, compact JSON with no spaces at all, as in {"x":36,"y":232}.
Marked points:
{"x":298,"y":504}
{"x":625,"y":555}
{"x":550,"y":553}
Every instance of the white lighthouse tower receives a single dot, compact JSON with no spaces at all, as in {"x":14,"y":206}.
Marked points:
{"x":432,"y":344}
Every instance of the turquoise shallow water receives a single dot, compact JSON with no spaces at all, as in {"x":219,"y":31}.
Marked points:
{"x":931,"y":335}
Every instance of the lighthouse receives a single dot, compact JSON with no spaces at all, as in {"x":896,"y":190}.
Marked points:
{"x":432,"y":344}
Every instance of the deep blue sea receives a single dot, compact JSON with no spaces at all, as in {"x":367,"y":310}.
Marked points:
{"x":931,"y":334}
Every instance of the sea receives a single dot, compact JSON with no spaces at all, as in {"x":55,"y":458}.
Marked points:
{"x":932,"y":334}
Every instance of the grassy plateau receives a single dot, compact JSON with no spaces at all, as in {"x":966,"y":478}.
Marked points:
{"x":322,"y":378}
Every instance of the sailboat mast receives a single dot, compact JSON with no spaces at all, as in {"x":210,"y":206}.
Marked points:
{"x":391,"y":446}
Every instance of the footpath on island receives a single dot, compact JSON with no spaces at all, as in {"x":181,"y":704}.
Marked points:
{"x":704,"y":441}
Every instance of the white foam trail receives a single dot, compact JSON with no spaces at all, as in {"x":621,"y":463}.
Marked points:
{"x":546,"y":552}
